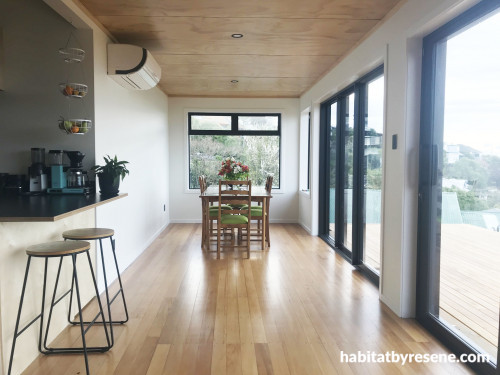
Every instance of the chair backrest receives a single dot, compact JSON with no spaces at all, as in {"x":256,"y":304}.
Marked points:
{"x":241,"y":194}
{"x":203,"y":183}
{"x":269,"y":183}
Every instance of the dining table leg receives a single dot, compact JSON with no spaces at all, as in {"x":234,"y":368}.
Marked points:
{"x":264,"y":231}
{"x":266,"y":220}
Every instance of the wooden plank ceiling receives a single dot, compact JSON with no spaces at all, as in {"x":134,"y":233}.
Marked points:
{"x":287,"y":45}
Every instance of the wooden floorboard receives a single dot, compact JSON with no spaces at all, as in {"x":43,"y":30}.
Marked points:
{"x":290,"y":310}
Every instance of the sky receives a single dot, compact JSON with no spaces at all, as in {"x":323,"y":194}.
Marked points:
{"x":472,"y":99}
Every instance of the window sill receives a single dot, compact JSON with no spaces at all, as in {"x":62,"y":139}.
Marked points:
{"x":305,"y":193}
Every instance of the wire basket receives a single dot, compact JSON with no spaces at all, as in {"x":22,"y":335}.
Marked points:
{"x":75,"y":126}
{"x":73,"y":90}
{"x":72,"y":55}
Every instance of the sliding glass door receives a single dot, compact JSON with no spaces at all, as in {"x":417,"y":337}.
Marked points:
{"x":459,"y":211}
{"x":351,"y":171}
{"x":372,"y":172}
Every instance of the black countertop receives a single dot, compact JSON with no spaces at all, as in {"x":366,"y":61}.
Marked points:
{"x":22,"y":208}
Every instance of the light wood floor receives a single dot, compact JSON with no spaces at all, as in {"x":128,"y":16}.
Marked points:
{"x":287,"y":311}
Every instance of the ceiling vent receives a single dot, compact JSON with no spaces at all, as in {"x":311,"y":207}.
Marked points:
{"x":133,"y":67}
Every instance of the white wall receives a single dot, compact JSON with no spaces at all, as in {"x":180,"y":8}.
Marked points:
{"x":134,"y":126}
{"x":185,"y":204}
{"x":397,"y":44}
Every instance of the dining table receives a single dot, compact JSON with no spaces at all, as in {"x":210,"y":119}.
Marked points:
{"x":211,"y":195}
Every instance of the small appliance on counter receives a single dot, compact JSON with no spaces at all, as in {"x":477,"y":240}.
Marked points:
{"x":36,"y":172}
{"x":57,"y":174}
{"x":13,"y":183}
{"x":74,"y":180}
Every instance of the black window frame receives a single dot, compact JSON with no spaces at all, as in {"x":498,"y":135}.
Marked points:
{"x":234,"y":132}
{"x":358,"y":88}
{"x":432,"y":103}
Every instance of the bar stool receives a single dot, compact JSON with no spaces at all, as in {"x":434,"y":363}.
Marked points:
{"x":59,"y":249}
{"x":88,"y":234}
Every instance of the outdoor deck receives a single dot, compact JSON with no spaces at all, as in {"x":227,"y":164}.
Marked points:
{"x":470,"y":279}
{"x":470,"y":282}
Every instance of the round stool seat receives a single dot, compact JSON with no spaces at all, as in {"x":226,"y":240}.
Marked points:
{"x":57,"y":248}
{"x":88,"y":233}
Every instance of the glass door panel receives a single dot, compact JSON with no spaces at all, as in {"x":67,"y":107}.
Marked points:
{"x":372,"y":159}
{"x":333,"y":169}
{"x":469,"y":223}
{"x":348,"y":171}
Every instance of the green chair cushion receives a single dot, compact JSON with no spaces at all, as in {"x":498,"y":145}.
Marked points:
{"x":255,"y":212}
{"x":234,"y":219}
{"x":224,"y":207}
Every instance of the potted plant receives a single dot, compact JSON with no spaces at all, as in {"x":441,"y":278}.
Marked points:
{"x":109,"y":174}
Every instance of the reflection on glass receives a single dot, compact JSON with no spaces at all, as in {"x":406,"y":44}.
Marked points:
{"x":260,"y":153}
{"x":373,"y":173}
{"x":209,"y":122}
{"x":333,"y":165}
{"x":469,"y":291}
{"x":348,"y":171}
{"x":256,"y":123}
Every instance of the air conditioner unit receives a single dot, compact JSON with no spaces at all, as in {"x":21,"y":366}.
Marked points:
{"x":133,"y":67}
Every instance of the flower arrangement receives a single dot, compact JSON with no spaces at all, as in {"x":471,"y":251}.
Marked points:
{"x":233,"y":170}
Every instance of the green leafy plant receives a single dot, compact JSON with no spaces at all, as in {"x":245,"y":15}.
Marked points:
{"x":112,"y":168}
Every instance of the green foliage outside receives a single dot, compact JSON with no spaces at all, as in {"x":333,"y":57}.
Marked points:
{"x":467,"y":200}
{"x":482,"y":173}
{"x":260,"y":153}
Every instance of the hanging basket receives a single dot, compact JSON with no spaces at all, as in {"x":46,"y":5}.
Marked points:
{"x":72,"y":55}
{"x":74,"y":90}
{"x":75,"y":126}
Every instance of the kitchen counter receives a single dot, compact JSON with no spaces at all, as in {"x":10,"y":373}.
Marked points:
{"x":48,"y":208}
{"x":26,"y":220}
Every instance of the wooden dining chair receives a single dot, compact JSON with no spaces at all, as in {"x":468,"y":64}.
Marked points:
{"x":269,"y":188}
{"x":231,"y":218}
{"x":260,"y":232}
{"x":204,"y":217}
{"x":209,"y":216}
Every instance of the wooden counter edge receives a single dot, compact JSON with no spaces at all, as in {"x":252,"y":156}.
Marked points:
{"x":61,"y":216}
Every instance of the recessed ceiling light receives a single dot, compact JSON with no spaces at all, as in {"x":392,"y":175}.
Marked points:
{"x":234,"y":81}
{"x":237,"y":36}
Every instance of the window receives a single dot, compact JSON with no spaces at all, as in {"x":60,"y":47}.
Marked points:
{"x":351,"y":132}
{"x":308,"y":151}
{"x":305,"y":151}
{"x":252,"y":138}
{"x":458,"y":276}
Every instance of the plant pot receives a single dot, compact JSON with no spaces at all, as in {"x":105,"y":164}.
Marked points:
{"x":108,"y":184}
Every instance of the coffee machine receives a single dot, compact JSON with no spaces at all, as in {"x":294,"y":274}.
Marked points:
{"x":76,"y":177}
{"x":38,"y":177}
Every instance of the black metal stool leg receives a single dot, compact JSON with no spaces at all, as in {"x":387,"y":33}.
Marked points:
{"x":106,"y":292}
{"x":16,"y":333}
{"x":98,"y":349}
{"x":52,"y":304}
{"x":108,"y":300}
{"x":119,"y":282}
{"x":110,"y":343}
{"x":75,"y":276}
